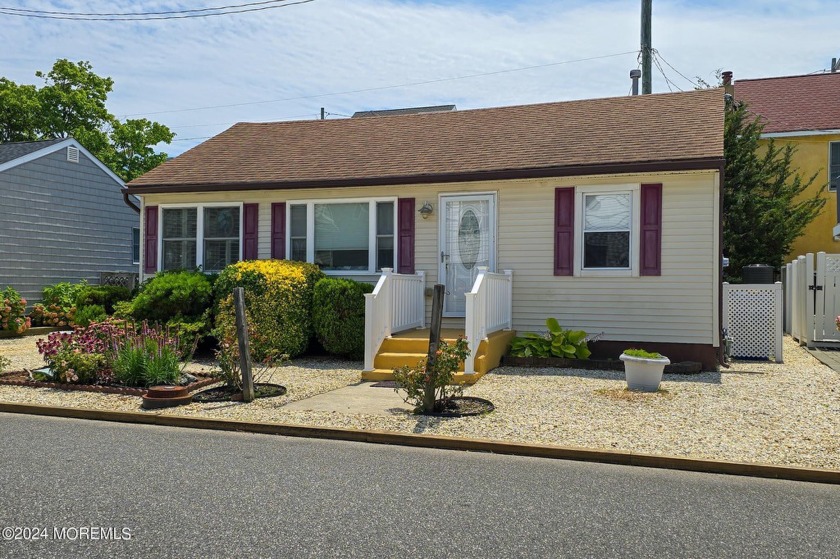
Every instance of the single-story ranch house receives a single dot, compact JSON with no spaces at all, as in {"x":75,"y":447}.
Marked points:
{"x":603,"y":213}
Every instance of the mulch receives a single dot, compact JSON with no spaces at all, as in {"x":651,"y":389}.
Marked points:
{"x":21,"y":378}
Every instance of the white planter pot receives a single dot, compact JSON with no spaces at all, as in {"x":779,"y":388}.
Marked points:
{"x":643,"y":374}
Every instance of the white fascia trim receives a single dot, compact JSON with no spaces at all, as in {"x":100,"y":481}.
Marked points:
{"x":801,"y":133}
{"x":56,"y":147}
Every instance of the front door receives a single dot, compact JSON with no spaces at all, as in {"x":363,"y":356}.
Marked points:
{"x":467,"y":241}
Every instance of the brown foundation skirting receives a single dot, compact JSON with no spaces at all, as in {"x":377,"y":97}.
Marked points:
{"x":705,"y":354}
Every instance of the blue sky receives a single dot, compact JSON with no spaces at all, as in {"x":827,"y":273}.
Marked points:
{"x":199,"y":76}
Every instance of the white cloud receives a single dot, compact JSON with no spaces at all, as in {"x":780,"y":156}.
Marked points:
{"x":331,"y":46}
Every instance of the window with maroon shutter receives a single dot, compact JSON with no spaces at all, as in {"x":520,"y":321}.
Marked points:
{"x":650,"y":253}
{"x":564,"y":231}
{"x":278,"y":230}
{"x":405,"y":225}
{"x":150,"y":244}
{"x":250,"y":228}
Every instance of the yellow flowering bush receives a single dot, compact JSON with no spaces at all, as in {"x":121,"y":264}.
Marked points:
{"x":278,"y":298}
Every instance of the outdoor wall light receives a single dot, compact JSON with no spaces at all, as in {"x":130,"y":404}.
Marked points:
{"x":426,"y":210}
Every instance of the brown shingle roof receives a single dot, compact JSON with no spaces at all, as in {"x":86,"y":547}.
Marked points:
{"x":445,"y":146}
{"x":794,"y":103}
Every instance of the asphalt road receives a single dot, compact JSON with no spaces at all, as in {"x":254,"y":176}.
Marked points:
{"x":190,"y":493}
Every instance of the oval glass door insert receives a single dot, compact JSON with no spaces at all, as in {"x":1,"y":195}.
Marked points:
{"x":469,"y":239}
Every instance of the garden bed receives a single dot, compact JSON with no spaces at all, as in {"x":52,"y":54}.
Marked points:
{"x":682,"y":368}
{"x":21,"y":378}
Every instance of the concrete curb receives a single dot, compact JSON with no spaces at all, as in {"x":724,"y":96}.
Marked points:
{"x":439,"y":442}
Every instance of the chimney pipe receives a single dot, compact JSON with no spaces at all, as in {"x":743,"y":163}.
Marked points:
{"x":727,"y":82}
{"x":834,"y":66}
{"x":635,"y":75}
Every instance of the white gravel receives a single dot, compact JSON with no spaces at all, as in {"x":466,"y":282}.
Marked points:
{"x":786,"y":414}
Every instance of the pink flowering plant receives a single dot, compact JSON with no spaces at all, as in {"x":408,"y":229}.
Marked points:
{"x":837,"y":322}
{"x":13,"y":312}
{"x":114,"y":352}
{"x":430,"y":387}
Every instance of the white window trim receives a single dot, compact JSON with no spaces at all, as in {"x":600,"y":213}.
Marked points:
{"x":830,"y":144}
{"x":635,"y":233}
{"x":310,"y":231}
{"x":199,"y":229}
{"x":139,"y":245}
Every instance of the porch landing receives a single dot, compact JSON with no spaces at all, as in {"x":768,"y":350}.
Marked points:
{"x":411,"y":346}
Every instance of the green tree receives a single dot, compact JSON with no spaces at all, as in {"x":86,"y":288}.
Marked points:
{"x":764,"y":203}
{"x":72,"y":102}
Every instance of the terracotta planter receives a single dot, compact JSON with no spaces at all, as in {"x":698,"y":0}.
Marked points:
{"x":643,"y":374}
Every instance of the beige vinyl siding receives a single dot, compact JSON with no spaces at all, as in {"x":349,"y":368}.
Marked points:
{"x":680,"y":306}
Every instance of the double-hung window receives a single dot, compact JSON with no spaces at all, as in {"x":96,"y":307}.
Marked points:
{"x":833,"y":166}
{"x":205,"y":236}
{"x":607,"y":230}
{"x":346,"y":236}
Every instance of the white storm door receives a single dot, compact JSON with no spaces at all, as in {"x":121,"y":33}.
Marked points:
{"x":467,"y":241}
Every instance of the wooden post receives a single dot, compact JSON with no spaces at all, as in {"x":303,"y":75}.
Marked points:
{"x":434,"y":340}
{"x":244,"y":346}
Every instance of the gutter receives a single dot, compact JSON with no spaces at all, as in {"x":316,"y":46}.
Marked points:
{"x":711,"y":163}
{"x":128,"y":201}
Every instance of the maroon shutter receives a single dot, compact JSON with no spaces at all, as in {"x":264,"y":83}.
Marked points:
{"x":650,"y":254}
{"x":250,"y":223}
{"x":405,"y":234}
{"x":564,"y":231}
{"x":150,"y":246}
{"x":278,"y":230}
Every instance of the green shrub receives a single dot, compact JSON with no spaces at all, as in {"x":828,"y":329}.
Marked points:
{"x":178,"y":295}
{"x":278,"y":300}
{"x":58,"y":304}
{"x":90,"y":313}
{"x":429,"y":389}
{"x":338,"y":315}
{"x":13,"y":311}
{"x":105,"y":296}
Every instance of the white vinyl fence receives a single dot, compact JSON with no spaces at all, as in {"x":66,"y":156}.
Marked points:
{"x":752,"y":317}
{"x":812,"y":299}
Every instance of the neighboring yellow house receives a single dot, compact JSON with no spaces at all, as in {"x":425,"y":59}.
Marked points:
{"x":805,"y":111}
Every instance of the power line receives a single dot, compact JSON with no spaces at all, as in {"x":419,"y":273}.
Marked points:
{"x":380,"y":88}
{"x":151,"y":16}
{"x":137,"y":14}
{"x":668,"y":81}
{"x":689,"y":80}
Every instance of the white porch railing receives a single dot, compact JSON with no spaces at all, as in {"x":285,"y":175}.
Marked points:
{"x":397,"y":303}
{"x":489,"y":309}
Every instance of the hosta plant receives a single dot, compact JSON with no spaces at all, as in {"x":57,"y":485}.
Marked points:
{"x":556,"y":342}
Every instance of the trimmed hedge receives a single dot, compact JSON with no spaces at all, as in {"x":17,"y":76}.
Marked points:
{"x":278,"y":301}
{"x":339,"y":316}
{"x":180,"y":296}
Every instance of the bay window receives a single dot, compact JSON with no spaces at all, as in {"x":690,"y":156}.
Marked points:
{"x":346,"y":236}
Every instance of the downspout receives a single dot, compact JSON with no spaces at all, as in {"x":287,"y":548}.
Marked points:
{"x":128,"y":201}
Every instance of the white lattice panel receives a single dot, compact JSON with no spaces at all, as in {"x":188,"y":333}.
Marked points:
{"x":832,"y":263}
{"x":753,"y":319}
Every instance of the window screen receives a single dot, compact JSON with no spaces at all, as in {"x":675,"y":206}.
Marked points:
{"x":606,"y":230}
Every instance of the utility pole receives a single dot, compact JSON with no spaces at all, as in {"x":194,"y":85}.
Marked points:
{"x":323,"y":113}
{"x":647,"y":42}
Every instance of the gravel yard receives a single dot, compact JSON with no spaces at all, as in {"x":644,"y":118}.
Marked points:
{"x":785,"y":414}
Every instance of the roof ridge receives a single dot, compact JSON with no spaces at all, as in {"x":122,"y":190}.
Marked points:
{"x":821,"y":74}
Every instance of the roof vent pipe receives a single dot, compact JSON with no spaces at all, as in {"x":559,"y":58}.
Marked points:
{"x":726,"y":77}
{"x":635,"y":75}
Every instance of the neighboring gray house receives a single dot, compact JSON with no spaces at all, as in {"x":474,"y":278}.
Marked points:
{"x":63,"y":217}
